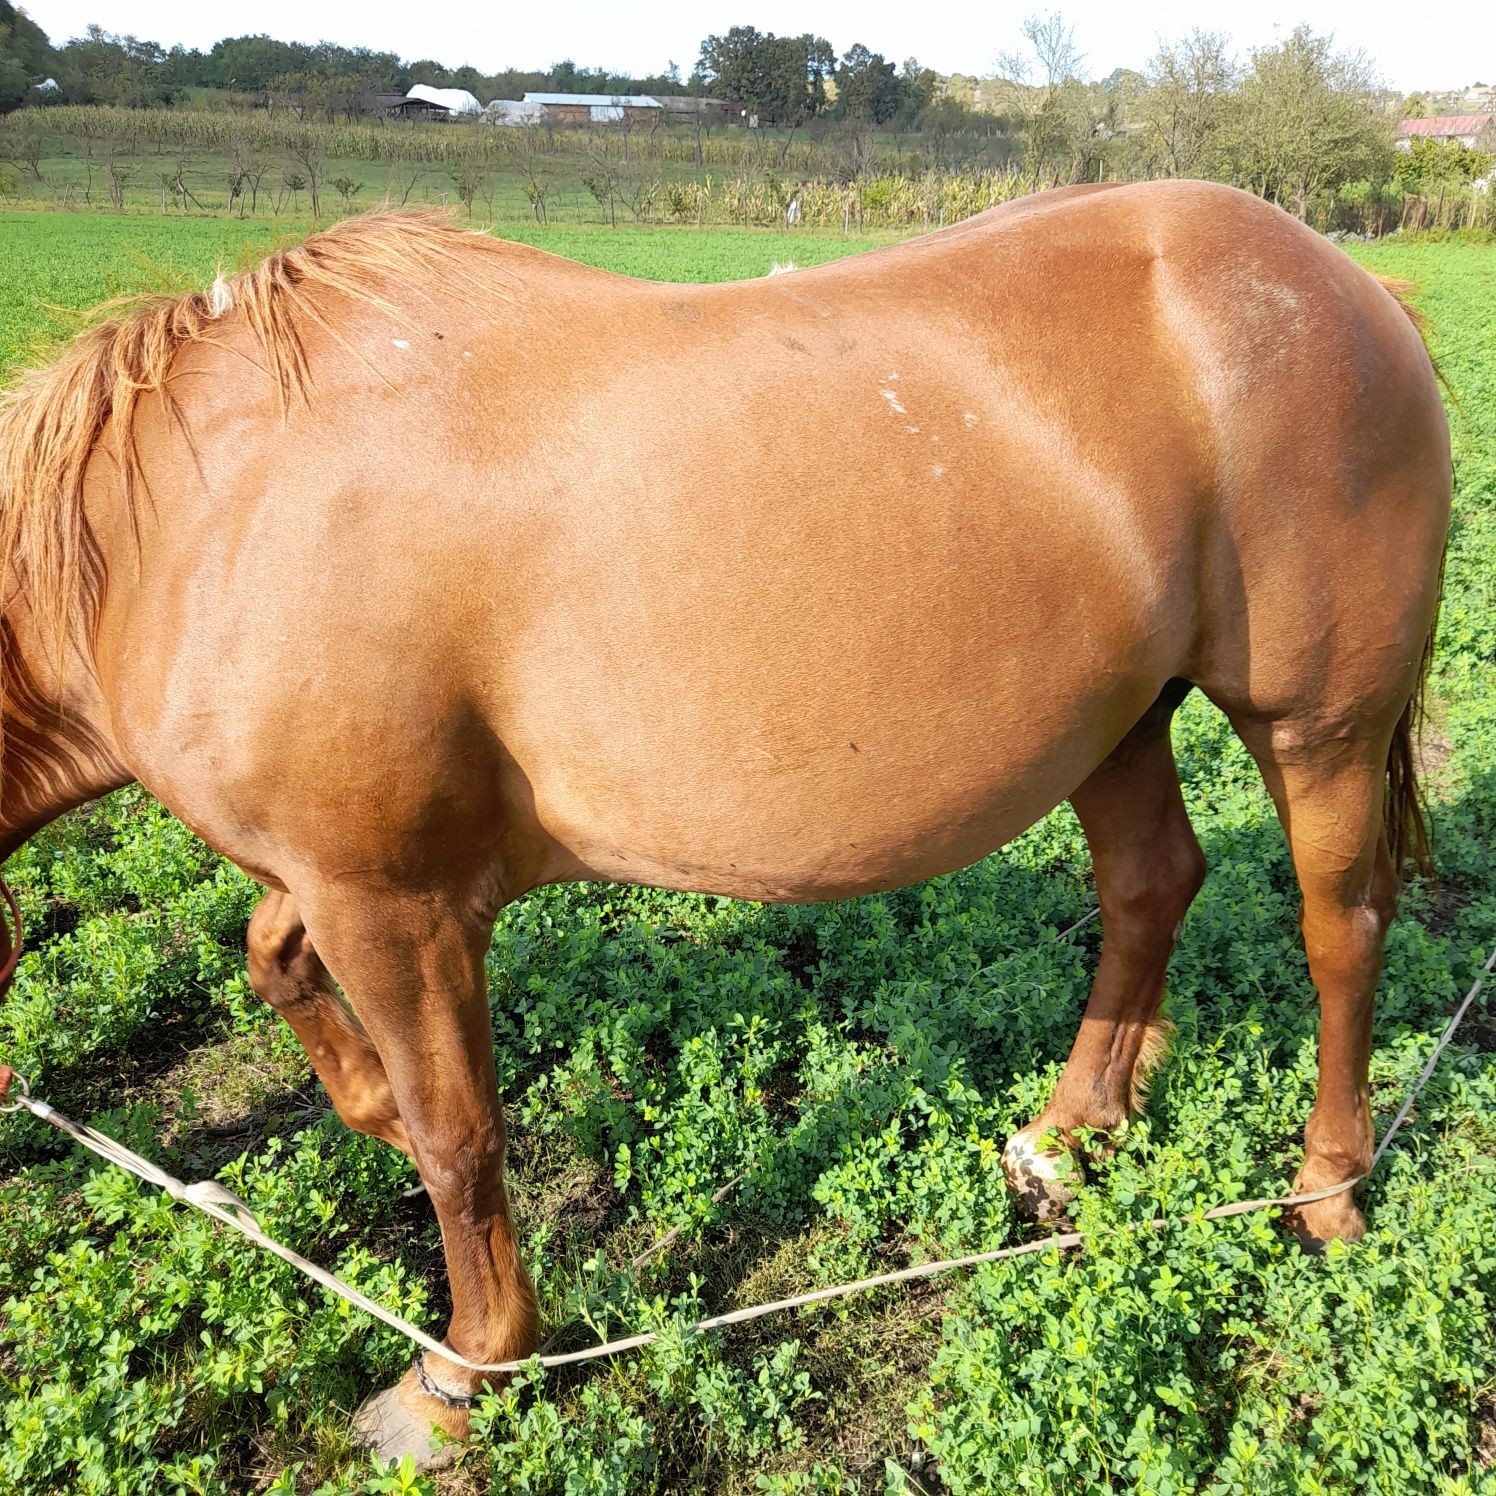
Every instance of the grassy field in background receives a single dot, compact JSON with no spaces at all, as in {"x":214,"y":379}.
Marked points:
{"x":855,"y":1066}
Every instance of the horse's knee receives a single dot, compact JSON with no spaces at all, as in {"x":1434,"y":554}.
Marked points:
{"x":364,"y":1102}
{"x":1152,"y":891}
{"x":273,"y":940}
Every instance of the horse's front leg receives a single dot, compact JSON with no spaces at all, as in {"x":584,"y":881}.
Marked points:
{"x":413,"y":966}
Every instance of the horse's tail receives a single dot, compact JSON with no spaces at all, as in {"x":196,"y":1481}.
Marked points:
{"x":1408,"y":834}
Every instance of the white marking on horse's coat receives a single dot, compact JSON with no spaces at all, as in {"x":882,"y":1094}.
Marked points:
{"x":893,"y":402}
{"x":467,"y":352}
{"x":969,"y":418}
{"x":912,"y":430}
{"x":220,"y":297}
{"x":938,"y":471}
{"x":401,"y":343}
{"x":893,"y":375}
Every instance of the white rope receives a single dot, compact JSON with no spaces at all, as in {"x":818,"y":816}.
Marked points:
{"x":222,"y":1205}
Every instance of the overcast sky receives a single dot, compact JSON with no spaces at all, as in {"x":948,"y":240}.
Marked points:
{"x":1412,"y":46}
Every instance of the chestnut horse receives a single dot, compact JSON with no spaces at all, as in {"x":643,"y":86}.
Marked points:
{"x":413,"y":570}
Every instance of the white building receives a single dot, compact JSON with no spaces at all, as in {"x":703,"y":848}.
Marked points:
{"x":457,"y":100}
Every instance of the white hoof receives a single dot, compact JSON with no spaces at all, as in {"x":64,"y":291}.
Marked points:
{"x":385,"y":1426}
{"x":1039,"y":1177}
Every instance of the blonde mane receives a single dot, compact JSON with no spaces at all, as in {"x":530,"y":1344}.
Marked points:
{"x":53,"y":418}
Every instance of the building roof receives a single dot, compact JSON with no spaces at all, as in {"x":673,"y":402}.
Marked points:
{"x":595,"y":101}
{"x":458,"y":100}
{"x":1446,"y":125}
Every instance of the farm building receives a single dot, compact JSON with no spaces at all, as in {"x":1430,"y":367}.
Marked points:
{"x":383,"y":105}
{"x":444,"y":102}
{"x":513,"y":112}
{"x":1468,"y":129}
{"x":585,"y":109}
{"x":685,"y":108}
{"x":582,"y":109}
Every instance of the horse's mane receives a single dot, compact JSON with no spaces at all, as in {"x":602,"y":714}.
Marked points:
{"x":53,"y":418}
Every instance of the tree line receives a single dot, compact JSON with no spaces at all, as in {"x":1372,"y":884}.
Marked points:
{"x":780,"y":80}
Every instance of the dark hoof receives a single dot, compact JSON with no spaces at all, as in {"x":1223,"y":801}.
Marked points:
{"x":1317,"y":1225}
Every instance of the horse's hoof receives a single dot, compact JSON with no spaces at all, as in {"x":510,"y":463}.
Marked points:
{"x":1316,"y":1225}
{"x":402,"y":1421}
{"x":1039,"y":1177}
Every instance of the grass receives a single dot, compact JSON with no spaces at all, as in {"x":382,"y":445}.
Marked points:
{"x":858,"y":1064}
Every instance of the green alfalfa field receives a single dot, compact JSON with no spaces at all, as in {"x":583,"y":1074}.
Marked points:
{"x":853,"y":1067}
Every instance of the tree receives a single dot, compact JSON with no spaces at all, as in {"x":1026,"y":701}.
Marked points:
{"x":103,"y":68}
{"x":23,"y":149}
{"x":348,"y":189}
{"x":306,"y":151}
{"x":1429,"y":165}
{"x":25,"y":56}
{"x":250,"y":62}
{"x":918,"y":89}
{"x":120,"y":169}
{"x":466,"y":179}
{"x":781,"y":79}
{"x":941,"y":120}
{"x":1050,"y":98}
{"x":244,"y":175}
{"x":601,"y":176}
{"x":1308,"y":120}
{"x":1185,"y":109}
{"x":867,"y":87}
{"x":532,"y":172}
{"x":294,"y":183}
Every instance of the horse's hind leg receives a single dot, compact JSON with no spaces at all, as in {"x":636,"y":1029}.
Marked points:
{"x":1329,"y":793}
{"x":1148,"y":868}
{"x":286,"y":971}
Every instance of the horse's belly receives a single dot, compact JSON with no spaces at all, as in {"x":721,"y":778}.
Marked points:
{"x":845,"y":796}
{"x":832,"y":854}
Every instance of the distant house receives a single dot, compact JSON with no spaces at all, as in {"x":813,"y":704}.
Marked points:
{"x":584,"y":109}
{"x":1475,"y":130}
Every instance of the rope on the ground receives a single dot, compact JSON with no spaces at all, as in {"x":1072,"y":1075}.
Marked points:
{"x":222,"y":1205}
